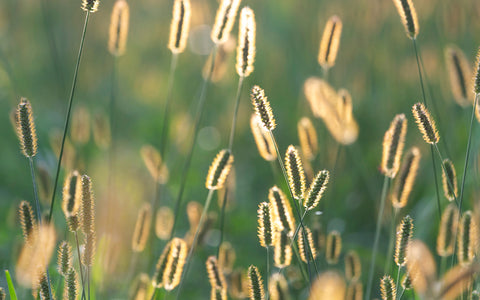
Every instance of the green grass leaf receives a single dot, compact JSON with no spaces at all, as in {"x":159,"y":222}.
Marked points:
{"x":11,"y":288}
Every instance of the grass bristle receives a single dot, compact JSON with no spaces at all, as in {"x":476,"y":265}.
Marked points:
{"x":333,"y":248}
{"x":393,"y":143}
{"x":246,"y":42}
{"x":449,"y":180}
{"x":295,"y":173}
{"x":459,"y":73}
{"x":45,"y":288}
{"x":330,"y":42}
{"x":118,"y":28}
{"x":387,"y":288}
{"x":476,"y":87}
{"x":72,"y":198}
{"x":224,"y":20}
{"x":180,"y":26}
{"x":90,"y":5}
{"x":265,"y":224}
{"x":219,"y":170}
{"x":90,"y":249}
{"x":87,"y":206}
{"x":307,"y":136}
{"x":153,"y":161}
{"x":328,"y":285}
{"x":302,"y":243}
{"x":282,"y":210}
{"x":278,"y":287}
{"x":447,"y":231}
{"x":26,"y":128}
{"x":64,"y":258}
{"x":282,"y":252}
{"x":27,"y":219}
{"x":164,"y":222}
{"x":262,"y":107}
{"x":355,"y":291}
{"x":217,"y":280}
{"x":142,"y":228}
{"x":255,"y":284}
{"x":404,"y":235}
{"x":263,"y":140}
{"x":175,"y":263}
{"x":316,"y":190}
{"x":408,"y":173}
{"x":71,"y":283}
{"x":408,"y":14}
{"x":467,"y":239}
{"x":353,"y":266}
{"x":157,"y":280}
{"x":425,"y":123}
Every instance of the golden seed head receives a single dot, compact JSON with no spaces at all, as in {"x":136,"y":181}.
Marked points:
{"x":425,"y":123}
{"x":87,"y":206}
{"x":467,"y":239}
{"x":265,"y":224}
{"x":153,"y":161}
{"x":404,"y":235}
{"x":224,"y":20}
{"x":304,"y":251}
{"x":421,"y":266}
{"x":142,"y":228}
{"x":330,"y":42}
{"x":194,"y":212}
{"x":282,"y":252}
{"x":404,"y":183}
{"x":407,"y":13}
{"x":64,"y":258}
{"x":3,"y":296}
{"x":308,"y":138}
{"x":263,"y":140}
{"x":278,"y":287}
{"x":157,"y":280}
{"x":355,"y":291}
{"x":387,"y":288}
{"x":180,"y":26}
{"x":406,"y":282}
{"x":90,"y":249}
{"x":90,"y":5}
{"x":27,"y":219}
{"x":217,"y":280}
{"x":226,"y":257}
{"x":447,"y":231}
{"x":80,"y":129}
{"x":72,"y":198}
{"x":345,"y":106}
{"x":71,"y":283}
{"x":175,"y":263}
{"x":246,"y":42}
{"x":262,"y":107}
{"x":333,"y":248}
{"x":353,"y":266}
{"x":295,"y":173}
{"x":164,"y":222}
{"x":44,"y":289}
{"x":449,"y":180}
{"x":140,"y":287}
{"x":457,"y":281}
{"x":328,"y":285}
{"x":219,"y":170}
{"x":459,"y":74}
{"x":316,"y":190}
{"x":118,"y":28}
{"x":26,"y":128}
{"x":393,"y":143}
{"x":476,"y":79}
{"x":282,"y":211}
{"x":255,"y":284}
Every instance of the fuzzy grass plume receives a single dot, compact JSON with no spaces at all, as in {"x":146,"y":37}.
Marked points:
{"x":119,"y":28}
{"x":180,"y":26}
{"x":216,"y":278}
{"x":219,"y":170}
{"x":262,"y":107}
{"x":406,"y":179}
{"x":255,"y":284}
{"x":265,"y":224}
{"x":404,"y":235}
{"x":467,"y":239}
{"x":27,"y":220}
{"x":447,"y":231}
{"x":307,"y":136}
{"x":303,"y":242}
{"x":449,"y":180}
{"x":393,"y":143}
{"x":246,"y":42}
{"x":263,"y":140}
{"x":425,"y":123}
{"x":459,"y":73}
{"x":408,"y":14}
{"x":26,"y":128}
{"x":316,"y":190}
{"x":224,"y":20}
{"x":142,"y":228}
{"x":330,"y":42}
{"x":282,"y":210}
{"x":353,"y":266}
{"x":72,"y":198}
{"x":387,"y":288}
{"x":333,"y":248}
{"x":295,"y":173}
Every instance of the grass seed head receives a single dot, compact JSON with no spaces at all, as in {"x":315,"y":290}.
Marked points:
{"x":72,"y":198}
{"x":45,"y":293}
{"x":217,"y":280}
{"x":449,"y":180}
{"x":255,"y":284}
{"x":307,"y":136}
{"x":459,"y":74}
{"x":265,"y":224}
{"x":408,"y":14}
{"x":119,"y":28}
{"x":246,"y":42}
{"x":302,"y":243}
{"x":387,"y":288}
{"x":278,"y":287}
{"x":226,"y":257}
{"x":87,"y":206}
{"x":404,"y":235}
{"x":467,"y":239}
{"x":157,"y":280}
{"x":64,"y":258}
{"x":476,"y":87}
{"x":262,"y":108}
{"x":330,"y":42}
{"x":353,"y":266}
{"x":27,"y":219}
{"x":328,"y":285}
{"x":316,"y":190}
{"x":219,"y":170}
{"x":355,"y":291}
{"x":164,"y":222}
{"x":26,"y":128}
{"x":142,"y":228}
{"x":295,"y":173}
{"x":333,"y":248}
{"x":393,"y":143}
{"x":180,"y":26}
{"x":224,"y":20}
{"x":282,"y":252}
{"x":263,"y":140}
{"x":90,"y":6}
{"x":408,"y":173}
{"x":282,"y":210}
{"x":447,"y":231}
{"x":71,"y":282}
{"x":425,"y":123}
{"x":175,"y":263}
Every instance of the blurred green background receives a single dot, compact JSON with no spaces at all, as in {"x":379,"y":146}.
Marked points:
{"x":376,"y":63}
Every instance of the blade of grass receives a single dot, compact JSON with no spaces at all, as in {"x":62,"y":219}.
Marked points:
{"x":11,"y":287}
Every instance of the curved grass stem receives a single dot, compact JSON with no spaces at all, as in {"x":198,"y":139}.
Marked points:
{"x":80,"y":265}
{"x":391,"y":242}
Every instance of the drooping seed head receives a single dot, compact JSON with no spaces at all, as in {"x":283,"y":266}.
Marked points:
{"x":90,"y":6}
{"x":308,"y":138}
{"x":142,"y":228}
{"x":387,"y":288}
{"x":219,"y":170}
{"x":118,"y":28}
{"x":45,"y":288}
{"x":333,"y":248}
{"x":476,"y":81}
{"x":457,"y":281}
{"x":355,"y":291}
{"x":157,"y":280}
{"x":262,"y":107}
{"x":224,"y":20}
{"x":175,"y":263}
{"x":303,"y":242}
{"x":425,"y":123}
{"x":344,"y":106}
{"x":449,"y":180}
{"x":459,"y":73}
{"x":216,"y":278}
{"x":328,"y":285}
{"x":237,"y":284}
{"x":295,"y":173}
{"x":408,"y":14}
{"x":421,"y":267}
{"x":330,"y":42}
{"x":282,"y":211}
{"x":90,"y":249}
{"x":447,"y":231}
{"x":153,"y":161}
{"x":404,"y":235}
{"x":87,"y":206}
{"x":404,"y":183}
{"x":71,"y":282}
{"x":164,"y":222}
{"x":265,"y":224}
{"x":278,"y":287}
{"x":263,"y":140}
{"x":64,"y":258}
{"x":246,"y":42}
{"x":26,"y":128}
{"x":282,"y":252}
{"x":180,"y":26}
{"x":226,"y":257}
{"x":255,"y":284}
{"x":72,"y":198}
{"x":467,"y":239}
{"x":353,"y":266}
{"x":27,"y":219}
{"x":316,"y":190}
{"x":393,"y":143}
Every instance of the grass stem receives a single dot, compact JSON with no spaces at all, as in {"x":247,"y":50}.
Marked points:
{"x":80,"y":265}
{"x":388,"y":265}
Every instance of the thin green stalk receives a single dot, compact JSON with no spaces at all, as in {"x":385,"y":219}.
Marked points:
{"x":377,"y":236}
{"x":443,"y":264}
{"x":35,"y":192}
{"x":222,"y":220}
{"x":88,"y":281}
{"x":267,"y":275}
{"x":67,"y":119}
{"x":112,"y":149}
{"x":401,"y":295}
{"x":419,"y":72}
{"x":398,"y":276}
{"x":155,"y":290}
{"x":300,"y":264}
{"x":80,"y":265}
{"x":194,"y":243}
{"x":391,"y":242}
{"x":437,"y":193}
{"x":198,"y":118}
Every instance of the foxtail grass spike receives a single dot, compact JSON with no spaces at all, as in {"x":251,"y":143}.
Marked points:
{"x":164,"y":222}
{"x":87,"y":206}
{"x":278,"y":287}
{"x":26,"y":128}
{"x":3,"y":296}
{"x":393,"y":143}
{"x":263,"y":140}
{"x":265,"y":224}
{"x":90,"y":6}
{"x":157,"y":280}
{"x":45,"y":292}
{"x":295,"y":173}
{"x":255,"y":284}
{"x":226,"y":257}
{"x":476,"y":86}
{"x":330,"y":42}
{"x":329,"y":285}
{"x":119,"y":28}
{"x":246,"y":42}
{"x":459,"y":73}
{"x":282,"y":211}
{"x":142,"y":228}
{"x":408,"y":14}
{"x":404,"y":235}
{"x":219,"y":170}
{"x":425,"y":123}
{"x":333,"y":248}
{"x":180,"y":26}
{"x":353,"y":266}
{"x":316,"y":190}
{"x":64,"y":258}
{"x":72,"y":198}
{"x":467,"y":239}
{"x":216,"y":278}
{"x":355,"y":291}
{"x":71,"y":283}
{"x":447,"y":231}
{"x":175,"y":263}
{"x":457,"y":281}
{"x":282,"y":252}
{"x":224,"y":20}
{"x":408,"y":173}
{"x":302,"y":243}
{"x":449,"y":180}
{"x":307,"y":136}
{"x":154,"y":163}
{"x":262,"y":107}
{"x":387,"y":288}
{"x":421,"y":266}
{"x":407,"y":282}
{"x":90,"y":249}
{"x":27,"y":219}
